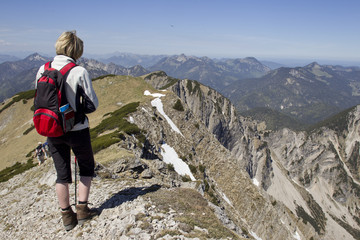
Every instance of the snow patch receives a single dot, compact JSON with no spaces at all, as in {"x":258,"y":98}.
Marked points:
{"x":297,"y":236}
{"x":145,"y":110}
{"x":226,"y":198}
{"x":255,"y":182}
{"x":37,"y":58}
{"x":157,"y":95}
{"x":131,"y":119}
{"x":159,"y":106}
{"x":255,"y":236}
{"x":170,"y":156}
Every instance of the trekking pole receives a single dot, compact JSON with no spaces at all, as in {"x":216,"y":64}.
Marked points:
{"x":75,"y":180}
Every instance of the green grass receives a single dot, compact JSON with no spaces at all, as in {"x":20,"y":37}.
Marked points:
{"x":117,"y":120}
{"x":178,"y":106}
{"x":171,"y":81}
{"x":202,"y":168}
{"x":353,"y":231}
{"x":117,"y":124}
{"x":275,"y":120}
{"x":192,"y":169}
{"x":18,"y":97}
{"x":105,"y":141}
{"x":102,"y":77}
{"x":193,"y":89}
{"x":170,"y":167}
{"x":29,"y":129}
{"x":317,"y":219}
{"x":338,"y":122}
{"x":16,"y":169}
{"x":185,"y":178}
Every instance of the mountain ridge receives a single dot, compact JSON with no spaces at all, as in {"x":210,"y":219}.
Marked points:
{"x":130,"y":60}
{"x":265,"y":169}
{"x":215,"y":74}
{"x":238,"y":167}
{"x":20,"y":75}
{"x":309,"y":93}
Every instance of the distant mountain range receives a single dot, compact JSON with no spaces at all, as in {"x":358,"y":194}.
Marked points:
{"x":308,"y":94}
{"x":129,"y":59}
{"x":283,"y":97}
{"x":17,"y":76}
{"x":215,"y":74}
{"x":96,"y":68}
{"x":5,"y":58}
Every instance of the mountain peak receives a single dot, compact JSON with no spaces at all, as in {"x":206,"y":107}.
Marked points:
{"x":313,"y":65}
{"x":252,"y":59}
{"x":181,"y":58}
{"x":35,"y":57}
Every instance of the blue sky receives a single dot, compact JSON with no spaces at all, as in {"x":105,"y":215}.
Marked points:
{"x":278,"y":29}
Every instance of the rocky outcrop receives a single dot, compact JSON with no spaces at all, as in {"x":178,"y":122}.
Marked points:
{"x":130,"y":209}
{"x":159,"y":79}
{"x":206,"y":110}
{"x":238,"y":134}
{"x":315,"y":175}
{"x":325,"y":163}
{"x":223,"y":180}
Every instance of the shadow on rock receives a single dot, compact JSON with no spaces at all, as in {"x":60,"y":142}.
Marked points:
{"x":126,"y":195}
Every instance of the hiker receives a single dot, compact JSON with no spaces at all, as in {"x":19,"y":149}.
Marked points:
{"x":46,"y":149}
{"x":82,"y":98}
{"x":39,"y":153}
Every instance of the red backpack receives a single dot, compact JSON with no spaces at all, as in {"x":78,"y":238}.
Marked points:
{"x":50,"y":96}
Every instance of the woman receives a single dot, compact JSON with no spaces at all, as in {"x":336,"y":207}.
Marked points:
{"x":78,"y":89}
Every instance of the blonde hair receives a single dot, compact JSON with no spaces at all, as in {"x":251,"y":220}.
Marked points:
{"x":70,"y":45}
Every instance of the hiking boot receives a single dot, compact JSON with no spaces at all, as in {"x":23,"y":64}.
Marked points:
{"x":84,"y":213}
{"x":69,"y":219}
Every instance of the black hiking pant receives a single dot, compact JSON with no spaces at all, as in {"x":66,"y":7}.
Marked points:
{"x":60,"y":148}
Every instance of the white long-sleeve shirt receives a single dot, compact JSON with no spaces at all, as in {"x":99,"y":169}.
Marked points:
{"x":78,"y":76}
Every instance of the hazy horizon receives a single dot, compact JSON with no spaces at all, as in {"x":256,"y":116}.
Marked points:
{"x":288,"y":62}
{"x":262,"y":29}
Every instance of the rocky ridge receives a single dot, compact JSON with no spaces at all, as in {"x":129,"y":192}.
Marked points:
{"x":96,"y":68}
{"x":309,"y":94}
{"x":314,"y":174}
{"x":241,"y":171}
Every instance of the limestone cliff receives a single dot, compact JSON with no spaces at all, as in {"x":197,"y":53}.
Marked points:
{"x":182,"y":164}
{"x":315,"y":175}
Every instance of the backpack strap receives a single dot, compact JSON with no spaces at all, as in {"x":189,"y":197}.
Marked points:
{"x":47,"y":66}
{"x":65,"y":70}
